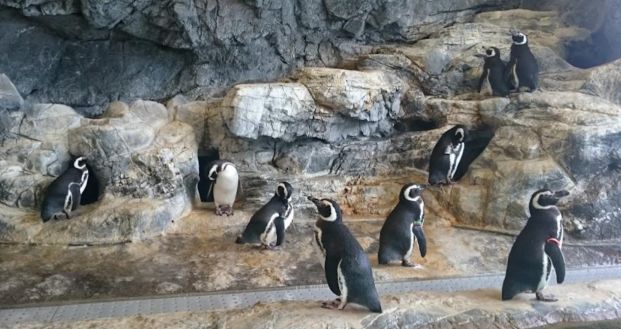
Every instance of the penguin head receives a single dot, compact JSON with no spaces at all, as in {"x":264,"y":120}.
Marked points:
{"x":490,"y":52}
{"x":518,"y":37}
{"x":284,"y":191}
{"x":79,"y":163}
{"x":328,"y":210}
{"x":411,"y":192}
{"x":460,"y":134}
{"x":546,"y":199}
{"x":216,"y":168}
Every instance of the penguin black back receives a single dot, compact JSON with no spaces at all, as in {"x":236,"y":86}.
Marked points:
{"x":347,"y":266}
{"x":446,"y":155}
{"x":495,"y":72}
{"x":537,"y":248}
{"x":63,"y":195}
{"x":523,"y":66}
{"x":279,"y":205}
{"x":402,"y":226}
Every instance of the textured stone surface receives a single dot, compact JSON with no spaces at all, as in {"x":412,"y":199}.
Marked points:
{"x":10,"y":99}
{"x":420,"y":310}
{"x":198,"y":254}
{"x":145,"y":164}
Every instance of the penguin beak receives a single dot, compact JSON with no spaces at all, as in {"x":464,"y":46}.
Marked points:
{"x":560,"y":194}
{"x":479,"y":55}
{"x":316,"y":201}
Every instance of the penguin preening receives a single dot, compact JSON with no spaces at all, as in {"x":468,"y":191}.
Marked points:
{"x":494,"y":73}
{"x":404,"y":225}
{"x":346,"y":265}
{"x":456,"y":149}
{"x":63,"y":194}
{"x":225,"y":186}
{"x":537,"y":248}
{"x":446,"y":156}
{"x":267,"y":226}
{"x":523,"y":67}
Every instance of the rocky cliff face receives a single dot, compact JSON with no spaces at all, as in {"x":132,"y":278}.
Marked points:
{"x":354,"y":133}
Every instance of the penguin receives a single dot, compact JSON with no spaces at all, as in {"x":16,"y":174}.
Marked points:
{"x":523,"y":66}
{"x":494,"y":72}
{"x":63,"y":195}
{"x":224,"y":188}
{"x":346,"y":265}
{"x":267,"y":226}
{"x":537,"y":248}
{"x":446,"y":156}
{"x":403,"y":225}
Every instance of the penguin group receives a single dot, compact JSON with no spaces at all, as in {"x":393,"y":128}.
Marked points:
{"x":521,"y":73}
{"x":347,"y":268}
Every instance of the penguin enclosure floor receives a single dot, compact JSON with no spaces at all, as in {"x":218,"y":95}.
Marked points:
{"x":199,"y":255}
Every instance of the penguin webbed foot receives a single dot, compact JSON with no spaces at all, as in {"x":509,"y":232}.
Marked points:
{"x":333,"y":305}
{"x":408,"y":263}
{"x":543,"y":298}
{"x":271,"y":247}
{"x":224,"y":210}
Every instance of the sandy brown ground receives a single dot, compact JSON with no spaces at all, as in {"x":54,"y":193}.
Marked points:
{"x":200,"y":255}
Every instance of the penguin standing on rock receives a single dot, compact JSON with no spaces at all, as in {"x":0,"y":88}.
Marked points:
{"x":63,"y":194}
{"x":537,"y":248}
{"x":346,"y":265}
{"x":402,"y":227}
{"x":523,"y":66}
{"x":446,"y":156}
{"x":267,"y":226}
{"x":494,"y":73}
{"x":224,"y":188}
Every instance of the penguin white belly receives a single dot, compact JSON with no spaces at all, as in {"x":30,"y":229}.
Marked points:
{"x":489,"y":84}
{"x":268,"y":237}
{"x":321,"y":252}
{"x":225,"y":188}
{"x":342,"y":285}
{"x":408,"y":254}
{"x":543,"y":281}
{"x":83,"y":181}
{"x":454,"y":159}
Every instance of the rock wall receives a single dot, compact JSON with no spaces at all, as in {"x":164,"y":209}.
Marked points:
{"x":156,"y":49}
{"x":354,"y":133}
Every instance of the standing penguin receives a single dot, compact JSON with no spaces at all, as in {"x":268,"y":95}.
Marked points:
{"x":446,"y":156}
{"x":403,"y":225}
{"x":523,"y":66}
{"x":494,"y":73}
{"x":346,"y":265}
{"x":224,"y":188}
{"x":537,"y":248}
{"x":267,"y":226}
{"x":63,"y":194}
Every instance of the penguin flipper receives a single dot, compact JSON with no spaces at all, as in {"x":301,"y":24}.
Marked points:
{"x":74,"y":189}
{"x":474,"y":146}
{"x":482,"y":78}
{"x":420,"y":238}
{"x":205,"y":189}
{"x":240,"y":191}
{"x":331,"y":266}
{"x":279,"y":223}
{"x":553,"y":250}
{"x":360,"y":284}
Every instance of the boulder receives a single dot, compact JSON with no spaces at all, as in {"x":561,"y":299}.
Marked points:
{"x":10,"y":99}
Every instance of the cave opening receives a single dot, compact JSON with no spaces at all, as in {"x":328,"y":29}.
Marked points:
{"x":203,"y":171}
{"x":590,"y":52}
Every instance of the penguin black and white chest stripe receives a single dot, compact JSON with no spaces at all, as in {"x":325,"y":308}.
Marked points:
{"x":63,"y":194}
{"x":404,"y":225}
{"x":494,"y":73}
{"x":225,"y":186}
{"x":346,"y":265}
{"x":537,"y":248}
{"x":267,"y":226}
{"x":523,"y":66}
{"x":446,"y":155}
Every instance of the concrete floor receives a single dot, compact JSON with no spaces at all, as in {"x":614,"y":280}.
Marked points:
{"x":199,"y":255}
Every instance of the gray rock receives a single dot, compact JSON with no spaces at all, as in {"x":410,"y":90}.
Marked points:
{"x":10,"y":99}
